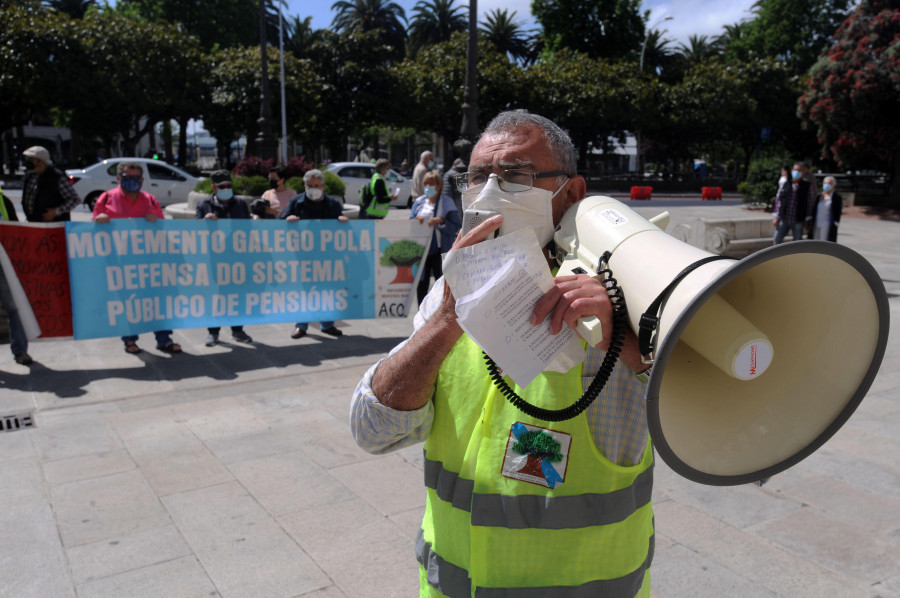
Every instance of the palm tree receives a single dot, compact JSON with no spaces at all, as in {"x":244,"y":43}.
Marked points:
{"x":699,"y":48}
{"x":433,"y":22}
{"x":657,"y":52}
{"x":357,"y":16}
{"x":73,"y":8}
{"x":506,"y":34}
{"x":299,"y":36}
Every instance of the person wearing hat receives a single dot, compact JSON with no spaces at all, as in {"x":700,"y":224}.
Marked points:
{"x":128,"y":201}
{"x":222,"y":204}
{"x":47,"y":195}
{"x":18,"y":340}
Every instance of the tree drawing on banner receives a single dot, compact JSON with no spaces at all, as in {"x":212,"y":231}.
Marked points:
{"x":403,"y":255}
{"x":538,"y":445}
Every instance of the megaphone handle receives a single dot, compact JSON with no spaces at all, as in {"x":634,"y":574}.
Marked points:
{"x":590,"y":330}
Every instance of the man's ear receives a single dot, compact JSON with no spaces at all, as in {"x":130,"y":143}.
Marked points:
{"x":575,"y":190}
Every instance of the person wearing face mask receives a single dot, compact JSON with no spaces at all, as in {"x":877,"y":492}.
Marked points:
{"x":313,"y":204}
{"x":785,"y":176}
{"x":47,"y":194}
{"x":595,"y":528}
{"x":439,"y":212}
{"x":796,"y":204}
{"x":827,"y":212}
{"x":426,"y":163}
{"x":381,"y":198}
{"x":223,"y":204}
{"x":129,"y":201}
{"x":277,"y":194}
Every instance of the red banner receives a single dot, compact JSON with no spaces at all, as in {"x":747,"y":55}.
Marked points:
{"x":38,"y":255}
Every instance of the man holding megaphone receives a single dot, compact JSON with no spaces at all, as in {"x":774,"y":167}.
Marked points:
{"x":516,"y":503}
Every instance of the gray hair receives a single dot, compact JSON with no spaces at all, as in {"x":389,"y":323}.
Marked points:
{"x":313,"y":174}
{"x":561,"y":148}
{"x":832,"y":179}
{"x":123,"y":166}
{"x":425,"y":154}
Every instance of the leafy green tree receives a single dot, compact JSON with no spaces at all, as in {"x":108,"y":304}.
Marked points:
{"x":611,"y":29}
{"x":358,"y":90}
{"x":361,"y":16}
{"x":853,"y":99}
{"x":216,"y":23}
{"x":793,"y":31}
{"x":724,"y":106}
{"x":433,"y":84}
{"x":34,"y":48}
{"x":125,"y":76}
{"x":434,"y":21}
{"x":507,"y":35}
{"x":595,"y":100}
{"x":232,"y":87}
{"x":74,"y":8}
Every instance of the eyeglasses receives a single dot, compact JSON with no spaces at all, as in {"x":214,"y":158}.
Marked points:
{"x":511,"y":181}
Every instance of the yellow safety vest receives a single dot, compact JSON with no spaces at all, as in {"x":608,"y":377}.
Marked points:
{"x":375,"y":209}
{"x":502,"y":522}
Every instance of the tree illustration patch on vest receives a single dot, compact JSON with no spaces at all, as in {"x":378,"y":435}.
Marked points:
{"x":536,"y":455}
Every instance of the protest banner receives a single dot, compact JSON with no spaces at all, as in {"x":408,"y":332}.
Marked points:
{"x":37,"y":255}
{"x":134,"y":276}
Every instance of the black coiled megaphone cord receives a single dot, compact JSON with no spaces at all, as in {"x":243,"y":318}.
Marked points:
{"x":606,"y":367}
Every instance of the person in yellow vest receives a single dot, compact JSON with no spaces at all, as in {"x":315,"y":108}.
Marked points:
{"x":18,"y":339}
{"x":518,"y":506}
{"x":382,"y":197}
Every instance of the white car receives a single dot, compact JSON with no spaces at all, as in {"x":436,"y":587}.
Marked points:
{"x":165,"y":182}
{"x":357,"y":175}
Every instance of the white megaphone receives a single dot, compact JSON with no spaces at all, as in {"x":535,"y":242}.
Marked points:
{"x":757,"y":362}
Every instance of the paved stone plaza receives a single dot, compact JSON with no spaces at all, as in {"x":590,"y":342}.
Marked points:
{"x":230,"y":471}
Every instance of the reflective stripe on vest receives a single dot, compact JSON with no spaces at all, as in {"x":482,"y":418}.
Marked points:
{"x":378,"y":210}
{"x":453,"y":581}
{"x":542,"y":512}
{"x":489,"y":532}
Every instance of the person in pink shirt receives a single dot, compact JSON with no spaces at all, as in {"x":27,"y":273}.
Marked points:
{"x":128,"y":201}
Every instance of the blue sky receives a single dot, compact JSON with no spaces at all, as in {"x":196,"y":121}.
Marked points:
{"x":689,"y":17}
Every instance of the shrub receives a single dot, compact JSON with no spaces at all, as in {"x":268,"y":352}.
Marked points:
{"x":253,"y":166}
{"x":204,"y":186}
{"x":253,"y":186}
{"x":762,"y":180}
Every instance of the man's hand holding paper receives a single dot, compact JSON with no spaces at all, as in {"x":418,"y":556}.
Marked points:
{"x":473,"y":273}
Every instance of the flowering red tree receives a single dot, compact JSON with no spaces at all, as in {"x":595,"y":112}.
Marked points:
{"x":854,"y":92}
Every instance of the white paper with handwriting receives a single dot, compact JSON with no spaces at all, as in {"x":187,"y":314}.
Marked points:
{"x":498,"y":282}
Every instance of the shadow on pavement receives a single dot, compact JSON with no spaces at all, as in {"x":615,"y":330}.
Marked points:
{"x":217,"y":366}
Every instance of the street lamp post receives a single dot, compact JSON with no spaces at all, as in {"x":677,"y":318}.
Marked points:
{"x":639,"y":154}
{"x":264,"y":141}
{"x":462,"y":147}
{"x":647,"y":36}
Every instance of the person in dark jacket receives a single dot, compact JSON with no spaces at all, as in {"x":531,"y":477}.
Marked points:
{"x":827,"y":212}
{"x":313,"y":204}
{"x":222,"y":204}
{"x":47,"y":194}
{"x":796,"y":202}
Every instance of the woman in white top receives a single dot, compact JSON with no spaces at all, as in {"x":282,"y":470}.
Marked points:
{"x":439,"y":212}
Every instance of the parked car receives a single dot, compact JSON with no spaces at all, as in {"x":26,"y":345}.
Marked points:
{"x":164,"y":181}
{"x":357,"y":175}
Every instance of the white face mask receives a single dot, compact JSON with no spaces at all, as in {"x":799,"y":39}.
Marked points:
{"x":314,"y":194}
{"x":523,"y":209}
